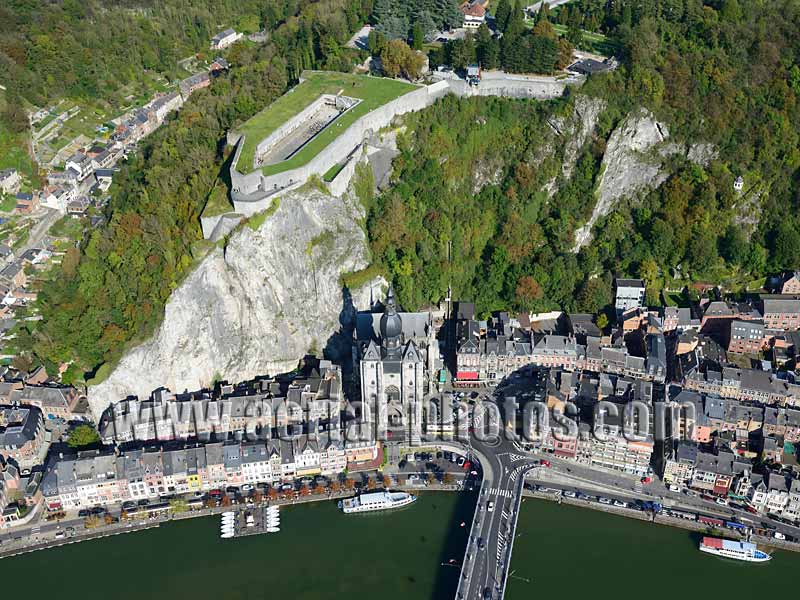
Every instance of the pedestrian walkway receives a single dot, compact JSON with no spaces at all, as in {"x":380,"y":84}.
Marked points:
{"x":501,"y":493}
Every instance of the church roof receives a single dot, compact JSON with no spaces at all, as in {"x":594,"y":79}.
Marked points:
{"x":411,"y":354}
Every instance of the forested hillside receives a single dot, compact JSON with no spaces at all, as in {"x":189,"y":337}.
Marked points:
{"x":113,"y":289}
{"x":399,"y":18}
{"x":721,"y":72}
{"x":480,"y":173}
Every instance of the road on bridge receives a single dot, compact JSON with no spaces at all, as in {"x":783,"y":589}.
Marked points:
{"x":488,"y":554}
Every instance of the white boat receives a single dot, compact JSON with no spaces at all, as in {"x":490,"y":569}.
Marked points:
{"x":227,"y":536}
{"x":273,"y":510}
{"x":273,"y":521}
{"x":229,"y":513}
{"x":273,"y":530}
{"x":730,"y":549}
{"x":377,"y":501}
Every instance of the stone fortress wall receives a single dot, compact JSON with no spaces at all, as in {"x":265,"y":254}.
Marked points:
{"x":251,"y":193}
{"x":341,"y":103}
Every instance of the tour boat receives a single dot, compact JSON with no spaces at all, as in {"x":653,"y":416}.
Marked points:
{"x":731,"y":549}
{"x":376,"y":501}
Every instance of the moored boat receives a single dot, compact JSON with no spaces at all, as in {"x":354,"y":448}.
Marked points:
{"x":373,"y":501}
{"x":732,"y":549}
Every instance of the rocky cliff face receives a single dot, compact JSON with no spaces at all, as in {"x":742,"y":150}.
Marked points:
{"x":256,"y":307}
{"x":634,"y":161}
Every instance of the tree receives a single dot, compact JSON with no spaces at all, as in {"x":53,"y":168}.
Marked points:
{"x":602,"y":321}
{"x":786,"y":246}
{"x":543,"y":28}
{"x":178,"y":505}
{"x":14,"y":115}
{"x":417,"y":36}
{"x":593,"y":295}
{"x":501,"y":14}
{"x":529,"y":292}
{"x":375,"y":42}
{"x":83,"y":436}
{"x":397,"y":58}
{"x":733,"y":245}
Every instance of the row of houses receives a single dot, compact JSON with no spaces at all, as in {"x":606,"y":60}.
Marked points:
{"x":609,"y":429}
{"x":488,"y":351}
{"x":98,"y":479}
{"x":723,"y":474}
{"x":253,"y":408}
{"x":701,"y":418}
{"x":747,"y":385}
{"x":143,"y":121}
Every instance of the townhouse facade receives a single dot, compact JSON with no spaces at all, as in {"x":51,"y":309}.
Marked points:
{"x":102,"y":479}
{"x":781,"y":312}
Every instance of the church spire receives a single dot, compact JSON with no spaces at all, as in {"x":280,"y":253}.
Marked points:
{"x":391,"y":323}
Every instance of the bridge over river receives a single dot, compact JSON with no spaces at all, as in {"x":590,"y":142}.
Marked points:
{"x":487,"y":558}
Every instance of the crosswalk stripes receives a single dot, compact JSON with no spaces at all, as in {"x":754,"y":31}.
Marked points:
{"x":502,"y":493}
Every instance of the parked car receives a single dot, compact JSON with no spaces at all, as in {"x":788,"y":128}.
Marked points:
{"x":674,"y":488}
{"x":546,"y":463}
{"x":721,"y":501}
{"x":778,"y":535}
{"x":602,"y":500}
{"x":570,"y":494}
{"x":620,"y":504}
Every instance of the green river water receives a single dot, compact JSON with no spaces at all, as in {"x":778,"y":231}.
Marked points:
{"x":320,"y":553}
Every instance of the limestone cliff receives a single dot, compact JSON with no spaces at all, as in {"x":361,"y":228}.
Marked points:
{"x":257,"y":306}
{"x":634,"y":161}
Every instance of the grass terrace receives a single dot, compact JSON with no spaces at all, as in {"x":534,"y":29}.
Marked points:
{"x":373,"y":91}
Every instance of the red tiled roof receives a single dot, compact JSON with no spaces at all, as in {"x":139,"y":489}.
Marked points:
{"x":473,"y":10}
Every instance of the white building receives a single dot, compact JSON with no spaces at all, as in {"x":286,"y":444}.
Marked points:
{"x":225,"y":39}
{"x":58,"y":198}
{"x":629,"y":295}
{"x":10,"y":181}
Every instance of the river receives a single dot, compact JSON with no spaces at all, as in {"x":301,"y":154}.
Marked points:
{"x":321,"y":553}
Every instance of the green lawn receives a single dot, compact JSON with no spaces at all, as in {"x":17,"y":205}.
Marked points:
{"x":592,"y":41}
{"x":67,"y":227}
{"x":7,"y":203}
{"x":374,"y":91}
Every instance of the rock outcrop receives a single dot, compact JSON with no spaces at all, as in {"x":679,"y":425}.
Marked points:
{"x":256,"y":307}
{"x":628,"y":166}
